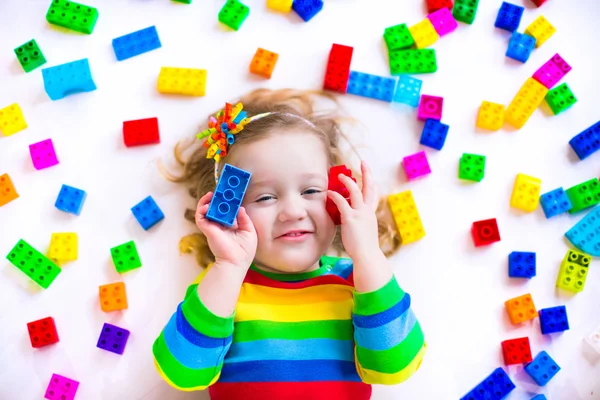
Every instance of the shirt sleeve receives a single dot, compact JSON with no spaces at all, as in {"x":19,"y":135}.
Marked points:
{"x":389,"y":342}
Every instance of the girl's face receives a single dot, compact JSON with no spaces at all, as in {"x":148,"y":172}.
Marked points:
{"x":286,"y":199}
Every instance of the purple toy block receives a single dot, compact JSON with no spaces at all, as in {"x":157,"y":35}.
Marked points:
{"x":430,"y":107}
{"x":552,"y":71}
{"x":113,"y":338}
{"x":443,"y":21}
{"x":43,"y":154}
{"x":416,"y":165}
{"x":61,"y":388}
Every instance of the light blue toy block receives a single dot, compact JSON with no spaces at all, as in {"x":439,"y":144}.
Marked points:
{"x":136,"y":43}
{"x":408,"y":91}
{"x":371,"y":86}
{"x":555,"y":202}
{"x":147,"y":213}
{"x":542,"y":368}
{"x":520,"y":46}
{"x":228,"y":196}
{"x":65,"y":79}
{"x":585,"y":235}
{"x":70,"y":199}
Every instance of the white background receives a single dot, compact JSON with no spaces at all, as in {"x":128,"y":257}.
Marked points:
{"x":458,"y":291}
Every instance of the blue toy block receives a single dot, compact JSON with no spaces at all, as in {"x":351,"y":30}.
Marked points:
{"x":65,"y":79}
{"x":587,"y":142}
{"x":136,"y":43}
{"x":230,"y":192}
{"x":542,"y":368}
{"x":494,"y":387}
{"x":520,"y":46}
{"x":509,"y":16}
{"x":521,"y":264}
{"x":70,"y":199}
{"x":434,"y":134}
{"x":585,"y":235}
{"x":539,"y":397}
{"x":147,"y":213}
{"x":307,"y":9}
{"x":555,"y":202}
{"x":408,"y":91}
{"x":371,"y":86}
{"x":553,"y":319}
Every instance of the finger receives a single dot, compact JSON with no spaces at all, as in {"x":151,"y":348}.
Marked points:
{"x":369,"y":189}
{"x":204,"y":200}
{"x":340,"y":202}
{"x":244,"y":222}
{"x":356,"y":196}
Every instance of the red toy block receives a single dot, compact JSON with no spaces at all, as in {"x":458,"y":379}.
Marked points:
{"x":434,"y":5}
{"x":337,"y":186}
{"x":516,"y":351}
{"x":42,"y":332}
{"x":485,"y":232}
{"x":538,"y":2}
{"x":140,"y":132}
{"x":338,"y":68}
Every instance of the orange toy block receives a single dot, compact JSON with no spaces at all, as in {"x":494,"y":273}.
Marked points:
{"x":113,"y":297}
{"x":7,"y":190}
{"x":263,"y":63}
{"x":521,"y":309}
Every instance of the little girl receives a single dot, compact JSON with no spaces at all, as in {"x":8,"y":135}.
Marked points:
{"x":271,"y":317}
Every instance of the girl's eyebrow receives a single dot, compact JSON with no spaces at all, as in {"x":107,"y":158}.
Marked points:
{"x":270,"y":182}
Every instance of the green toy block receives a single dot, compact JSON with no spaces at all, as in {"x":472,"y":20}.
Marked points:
{"x":30,"y":56}
{"x":71,"y":15}
{"x":233,"y":14}
{"x":465,"y":10}
{"x":573,"y":271}
{"x":472,"y":167}
{"x":398,"y":37}
{"x":420,"y":61}
{"x":584,"y":195}
{"x":33,"y":264}
{"x":184,"y":1}
{"x":125,"y":257}
{"x":560,"y":98}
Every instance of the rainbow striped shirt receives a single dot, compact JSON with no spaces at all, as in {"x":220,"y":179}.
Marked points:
{"x":292,"y":337}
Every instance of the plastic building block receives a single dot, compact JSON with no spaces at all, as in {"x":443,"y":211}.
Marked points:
{"x":12,"y":120}
{"x":280,"y":5}
{"x":113,"y":297}
{"x":233,"y":14}
{"x":338,"y":68}
{"x":43,"y":154}
{"x":30,"y":56}
{"x":542,"y":368}
{"x":42,"y":332}
{"x":554,"y":319}
{"x":416,"y":165}
{"x":408,"y":91}
{"x":65,"y":79}
{"x":555,"y":202}
{"x":443,"y":22}
{"x":113,"y":339}
{"x":33,"y":264}
{"x":125,"y":257}
{"x":136,"y":43}
{"x":434,"y":134}
{"x":494,"y":387}
{"x":147,"y":213}
{"x":7,"y":190}
{"x":585,"y":235}
{"x":140,"y":132}
{"x":584,"y":195}
{"x":434,"y":5}
{"x":71,"y":15}
{"x":471,"y":167}
{"x":490,"y":116}
{"x":526,"y":193}
{"x":186,"y":81}
{"x":520,"y":309}
{"x":371,"y":86}
{"x":516,"y":351}
{"x":552,"y":71}
{"x":573,"y":271}
{"x":335,"y":185}
{"x":485,"y":232}
{"x":509,"y":16}
{"x":412,"y":61}
{"x":465,"y":10}
{"x":560,"y":98}
{"x":520,"y":46}
{"x":587,"y":142}
{"x":538,"y":2}
{"x":539,"y":397}
{"x":528,"y":98}
{"x":593,"y":339}
{"x":70,"y":199}
{"x":307,"y":9}
{"x":230,"y":192}
{"x":521,"y":264}
{"x":430,"y":107}
{"x":64,"y":247}
{"x":406,"y":216}
{"x":184,"y":1}
{"x":541,"y":30}
{"x":398,"y":37}
{"x":263,"y":63}
{"x":61,"y":388}
{"x":424,"y":34}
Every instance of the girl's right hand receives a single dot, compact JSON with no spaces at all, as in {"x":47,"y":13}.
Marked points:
{"x":234,"y":246}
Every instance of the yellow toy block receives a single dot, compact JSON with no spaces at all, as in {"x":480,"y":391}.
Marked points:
{"x":529,"y":97}
{"x":526,"y":193}
{"x":573,"y":271}
{"x":280,"y":5}
{"x":12,"y":120}
{"x":521,"y":309}
{"x":406,"y":216}
{"x":491,"y":116}
{"x":424,"y":33}
{"x":541,"y":30}
{"x":7,"y":190}
{"x":188,"y":81}
{"x":63,"y":247}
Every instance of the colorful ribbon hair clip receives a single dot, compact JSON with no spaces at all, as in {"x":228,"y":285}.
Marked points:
{"x":222,"y":129}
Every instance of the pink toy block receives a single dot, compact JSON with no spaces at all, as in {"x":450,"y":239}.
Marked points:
{"x":61,"y":388}
{"x":43,"y":154}
{"x":552,"y":71}
{"x":443,"y":21}
{"x":430,"y":107}
{"x":416,"y":165}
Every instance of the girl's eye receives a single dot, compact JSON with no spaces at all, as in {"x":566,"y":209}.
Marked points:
{"x":312,"y":191}
{"x":264,"y":198}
